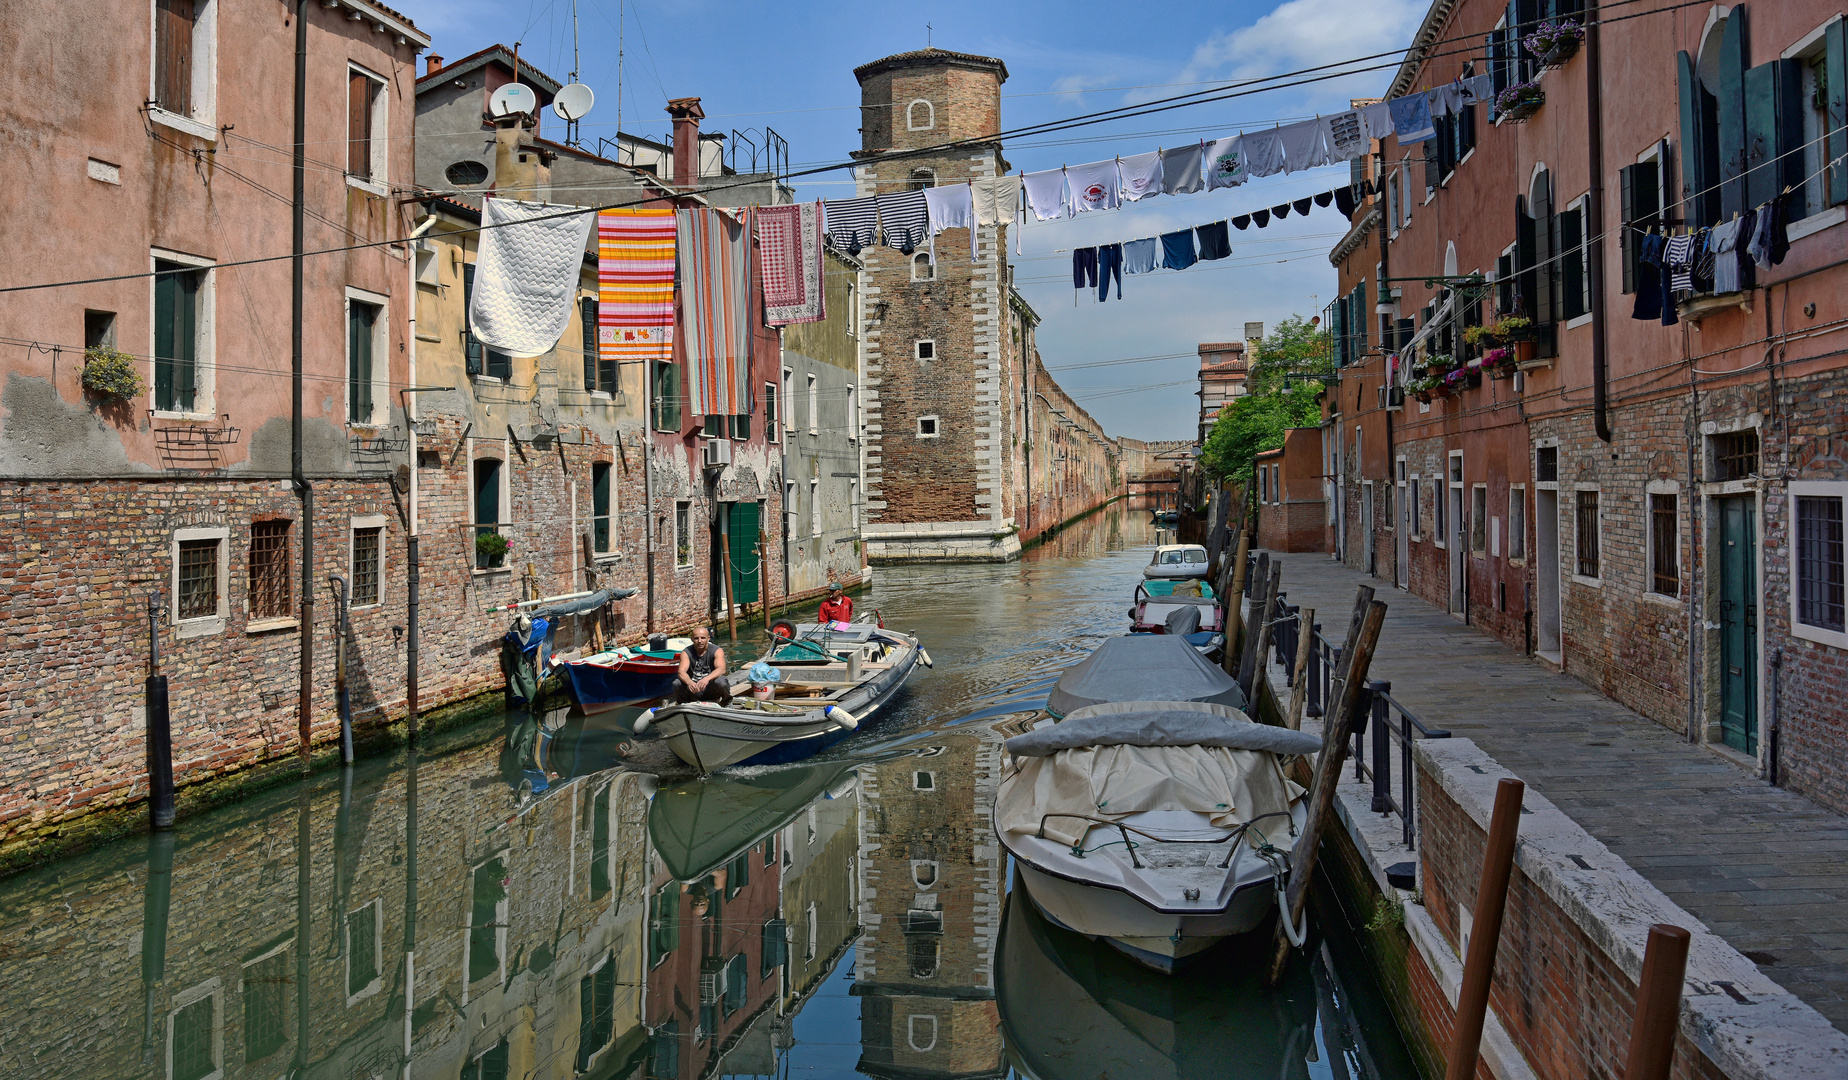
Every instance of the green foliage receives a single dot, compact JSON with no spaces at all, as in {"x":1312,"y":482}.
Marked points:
{"x":1294,"y":350}
{"x":111,"y":373}
{"x":1283,"y":386}
{"x":492,"y":545}
{"x":1388,"y":914}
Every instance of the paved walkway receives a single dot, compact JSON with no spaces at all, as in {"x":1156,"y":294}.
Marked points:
{"x":1764,"y":868}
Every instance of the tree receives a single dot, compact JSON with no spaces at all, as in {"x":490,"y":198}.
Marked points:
{"x":1283,"y":383}
{"x":1294,"y":350}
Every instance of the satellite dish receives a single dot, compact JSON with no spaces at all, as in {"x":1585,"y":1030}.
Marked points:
{"x":513,"y":98}
{"x":573,"y":102}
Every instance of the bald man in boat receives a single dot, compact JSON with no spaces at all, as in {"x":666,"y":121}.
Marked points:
{"x":702,"y":671}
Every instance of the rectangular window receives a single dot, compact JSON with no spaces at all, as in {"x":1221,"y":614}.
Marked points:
{"x":1664,"y":545}
{"x":927,"y":427}
{"x":487,"y":513}
{"x":1822,"y":597}
{"x":601,"y":374}
{"x":198,"y":595}
{"x":789,"y":401}
{"x":365,"y":101}
{"x":1517,"y":522}
{"x":487,"y":904}
{"x":853,"y":414}
{"x":194,"y":1039}
{"x":1546,"y":464}
{"x":1735,"y":455}
{"x":367,"y":552}
{"x":664,"y":1052}
{"x":596,"y":1013}
{"x":1588,"y":534}
{"x":362,"y":948}
{"x":815,"y":507}
{"x":480,"y":359}
{"x":1413,"y":507}
{"x":270,"y":596}
{"x":926,"y":350}
{"x":814,"y":406}
{"x":1479,"y":519}
{"x":600,"y":507}
{"x":177,"y":301}
{"x":174,"y":24}
{"x":853,"y":502}
{"x":741,"y":426}
{"x":1641,"y":194}
{"x":1437,"y":515}
{"x":664,"y":923}
{"x":1574,"y":262}
{"x":772,"y":430}
{"x":683,"y":534}
{"x":362,"y":319}
{"x":666,"y":395}
{"x":266,"y":1005}
{"x":600,"y":844}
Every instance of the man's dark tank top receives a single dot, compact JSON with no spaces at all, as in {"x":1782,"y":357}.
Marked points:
{"x":699,"y":666}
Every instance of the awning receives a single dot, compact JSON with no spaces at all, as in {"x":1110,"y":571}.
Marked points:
{"x":582,"y":604}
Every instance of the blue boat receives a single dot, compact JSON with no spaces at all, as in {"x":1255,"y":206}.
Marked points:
{"x":622,"y":677}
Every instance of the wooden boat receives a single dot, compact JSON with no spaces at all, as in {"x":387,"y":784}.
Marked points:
{"x":619,"y":677}
{"x":833,"y":680}
{"x":1177,"y":561}
{"x":1160,"y":827}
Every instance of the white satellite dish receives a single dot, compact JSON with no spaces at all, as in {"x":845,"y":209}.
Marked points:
{"x":573,"y":102}
{"x":513,"y":98}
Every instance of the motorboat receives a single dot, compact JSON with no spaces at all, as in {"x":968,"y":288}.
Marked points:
{"x":617,"y":677}
{"x":700,"y":825}
{"x":1076,"y":1009}
{"x":1161,"y":827}
{"x":1176,"y":561}
{"x":1142,"y":667}
{"x":1186,"y":609}
{"x":831,"y":678}
{"x":1166,"y":517}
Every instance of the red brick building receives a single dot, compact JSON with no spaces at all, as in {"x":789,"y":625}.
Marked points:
{"x":1292,"y":512}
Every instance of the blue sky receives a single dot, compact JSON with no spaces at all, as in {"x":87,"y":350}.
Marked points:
{"x":790,"y":68}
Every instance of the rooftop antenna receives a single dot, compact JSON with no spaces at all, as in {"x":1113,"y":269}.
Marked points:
{"x":619,"y":30}
{"x":573,"y":102}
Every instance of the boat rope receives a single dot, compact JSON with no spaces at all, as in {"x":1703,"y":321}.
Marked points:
{"x":1280,"y":865}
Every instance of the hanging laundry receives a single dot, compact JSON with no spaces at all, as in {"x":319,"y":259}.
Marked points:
{"x":1109,"y":262}
{"x":1139,"y":256}
{"x":951,"y":206}
{"x":1045,"y":193}
{"x":1678,"y":256}
{"x":715,"y":290}
{"x":1215,"y":243}
{"x":526,"y":276}
{"x":1280,"y":211}
{"x":1301,"y":206}
{"x":1703,"y":261}
{"x":1345,"y":134}
{"x":1411,"y":118}
{"x":1344,"y":201}
{"x":904,"y":218}
{"x":635,"y":286}
{"x":1241,"y":222}
{"x":1181,"y":170}
{"x":1139,"y":176}
{"x":853,"y":224}
{"x":1263,"y":152}
{"x":790,"y":264}
{"x":1177,"y":249}
{"x":1084,"y":268}
{"x":1376,"y":119}
{"x":1648,"y":303}
{"x":997,"y":199}
{"x":1748,"y":269}
{"x":1479,"y":90}
{"x":1323,"y":199}
{"x":1261,"y":217}
{"x":1446,"y":99}
{"x":1771,"y":239}
{"x":1225,"y":164}
{"x":1305,"y":144}
{"x":1091,"y":187}
{"x":1725,"y":244}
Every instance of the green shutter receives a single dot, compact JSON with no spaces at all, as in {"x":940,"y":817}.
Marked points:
{"x":1696,"y":147}
{"x":746,"y":568}
{"x":487,"y":491}
{"x":187,"y":368}
{"x":1338,"y":315}
{"x":587,"y":318}
{"x":166,"y":306}
{"x":470,"y":347}
{"x":600,"y":506}
{"x":360,"y":320}
{"x":1836,"y":50}
{"x":1524,"y":243}
{"x":667,"y":395}
{"x":1626,"y":183}
{"x":1773,"y":129}
{"x":1728,"y":90}
{"x":1572,"y":265}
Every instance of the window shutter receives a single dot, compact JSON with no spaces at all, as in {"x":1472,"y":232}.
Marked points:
{"x":587,"y":320}
{"x":359,"y":124}
{"x":1699,"y":169}
{"x":1358,"y":323}
{"x":1728,"y":93}
{"x":471,"y":348}
{"x":1546,"y":246}
{"x":1524,"y":289}
{"x":186,"y":339}
{"x":1626,"y":182}
{"x":1466,"y":131}
{"x":1339,"y":317}
{"x":1433,"y":167}
{"x":1572,"y":264}
{"x":173,"y":33}
{"x":1773,"y":129}
{"x":1498,"y":68}
{"x":1836,"y":51}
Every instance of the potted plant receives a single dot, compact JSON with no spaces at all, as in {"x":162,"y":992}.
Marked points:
{"x":1499,"y":361}
{"x":490,"y":550}
{"x":1480,"y":335}
{"x":1520,"y":101}
{"x":1555,"y":42}
{"x":111,"y":374}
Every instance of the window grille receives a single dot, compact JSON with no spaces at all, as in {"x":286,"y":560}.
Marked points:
{"x":266,"y":1006}
{"x":192,"y":1040}
{"x":362,"y":948}
{"x":1664,"y":545}
{"x":365,"y":566}
{"x":269,"y":570}
{"x":1588,"y":534}
{"x":198,"y":579}
{"x":1735,"y":455}
{"x":1820,"y":579}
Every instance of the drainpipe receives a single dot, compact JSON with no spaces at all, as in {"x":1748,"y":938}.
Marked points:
{"x":297,"y":474}
{"x":1392,"y":467}
{"x":1594,"y":224}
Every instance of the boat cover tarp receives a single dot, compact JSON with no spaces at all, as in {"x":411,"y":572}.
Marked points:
{"x":1183,"y":620}
{"x":1190,"y":587}
{"x":1161,"y":723}
{"x":583,"y":603}
{"x":1143,"y":667}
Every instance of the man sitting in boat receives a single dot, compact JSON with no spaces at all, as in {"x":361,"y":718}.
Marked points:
{"x":702,"y":671}
{"x":838,"y":607}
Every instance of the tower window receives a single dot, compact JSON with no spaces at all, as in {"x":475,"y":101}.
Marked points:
{"x":921,"y":267}
{"x":920,"y":115}
{"x":921,"y":179}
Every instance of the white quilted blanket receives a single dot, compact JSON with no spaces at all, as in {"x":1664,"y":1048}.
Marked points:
{"x":527,"y":275}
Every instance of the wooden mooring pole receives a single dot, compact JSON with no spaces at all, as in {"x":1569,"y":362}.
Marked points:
{"x":1231,"y":598}
{"x":1658,"y":1004}
{"x":1485,"y":929}
{"x":1299,"y":678}
{"x":1263,"y":610}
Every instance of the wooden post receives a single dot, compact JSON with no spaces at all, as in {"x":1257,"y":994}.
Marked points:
{"x":1658,"y":1004}
{"x":1231,"y":598}
{"x":1485,"y":929}
{"x":1299,"y":679}
{"x":1251,"y":668}
{"x":763,"y":588}
{"x":1341,"y":707}
{"x":731,"y":606}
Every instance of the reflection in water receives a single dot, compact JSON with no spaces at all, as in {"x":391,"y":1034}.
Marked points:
{"x":522,"y":900}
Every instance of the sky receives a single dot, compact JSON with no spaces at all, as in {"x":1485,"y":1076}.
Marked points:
{"x":790,"y":68}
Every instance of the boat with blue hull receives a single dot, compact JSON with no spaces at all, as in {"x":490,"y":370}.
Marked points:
{"x":619,"y":677}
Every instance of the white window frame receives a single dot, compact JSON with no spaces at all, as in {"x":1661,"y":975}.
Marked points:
{"x":1411,"y":504}
{"x":1517,"y":537}
{"x":500,"y":927}
{"x":923,"y":259}
{"x":378,"y":951}
{"x":911,"y":1032}
{"x":190,"y":996}
{"x":936,"y":428}
{"x":204,"y":378}
{"x":789,"y":401}
{"x":1805,"y":51}
{"x":853,"y":414}
{"x":505,"y":510}
{"x":381,"y":357}
{"x":1483,"y":551}
{"x":815,"y":506}
{"x":1578,"y":578}
{"x":773,"y":420}
{"x":918,"y":349}
{"x":814,"y":404}
{"x":368,"y":521}
{"x":927,"y":774}
{"x":1828,"y":489}
{"x":203,"y":625}
{"x":911,"y":115}
{"x":203,"y":123}
{"x":688,"y":505}
{"x":379,"y":183}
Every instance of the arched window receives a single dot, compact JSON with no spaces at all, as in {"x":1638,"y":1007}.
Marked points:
{"x":921,"y":268}
{"x":921,"y":179}
{"x":920,"y":115}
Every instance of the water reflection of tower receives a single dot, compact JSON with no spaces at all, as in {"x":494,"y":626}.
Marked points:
{"x":930,"y":909}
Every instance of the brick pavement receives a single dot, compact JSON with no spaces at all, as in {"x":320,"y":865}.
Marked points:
{"x":1764,"y":868}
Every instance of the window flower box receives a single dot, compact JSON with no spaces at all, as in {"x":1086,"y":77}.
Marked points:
{"x":1555,"y":42}
{"x":1520,"y":102}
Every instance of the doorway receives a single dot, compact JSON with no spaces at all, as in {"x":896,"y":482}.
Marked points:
{"x":1738,"y":623}
{"x":1546,"y":573}
{"x":735,"y":534}
{"x":1366,"y":525}
{"x":1402,"y":534}
{"x":1459,"y":536}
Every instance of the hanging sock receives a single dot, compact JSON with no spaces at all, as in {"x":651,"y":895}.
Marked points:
{"x":1139,"y":176}
{"x":1109,"y":262}
{"x":1262,"y":217}
{"x":1225,"y":164}
{"x":1323,"y":199}
{"x":1301,"y":205}
{"x":1344,"y":201}
{"x":1214,"y":241}
{"x":1177,"y":249}
{"x":1092,"y":186}
{"x":1045,"y":193}
{"x":1181,"y":172}
{"x":1139,"y":256}
{"x":1242,"y":222}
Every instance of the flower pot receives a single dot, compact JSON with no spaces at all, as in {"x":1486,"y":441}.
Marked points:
{"x":1425,"y":396}
{"x":1473,"y":380}
{"x":1523,"y":352}
{"x":1523,"y":109}
{"x":1561,"y":51}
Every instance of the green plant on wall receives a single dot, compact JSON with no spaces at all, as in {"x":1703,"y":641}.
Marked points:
{"x":111,"y":373}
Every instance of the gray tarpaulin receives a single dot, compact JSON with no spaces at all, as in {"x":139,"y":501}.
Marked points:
{"x":1183,"y":620}
{"x":1143,"y":667}
{"x":582,"y":604}
{"x":1161,"y":723}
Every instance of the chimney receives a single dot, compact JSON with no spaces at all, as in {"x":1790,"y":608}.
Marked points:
{"x":687,"y":114}
{"x":435,"y":63}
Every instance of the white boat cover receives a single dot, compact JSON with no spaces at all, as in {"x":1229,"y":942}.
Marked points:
{"x":1114,"y":780}
{"x":1161,"y":723}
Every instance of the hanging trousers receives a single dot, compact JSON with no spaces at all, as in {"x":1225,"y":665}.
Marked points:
{"x":1109,"y":261}
{"x":1084,"y":268}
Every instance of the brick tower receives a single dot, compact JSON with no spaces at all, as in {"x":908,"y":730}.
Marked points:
{"x":936,"y":352}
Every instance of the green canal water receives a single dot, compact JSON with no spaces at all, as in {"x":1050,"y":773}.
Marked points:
{"x":545,"y":896}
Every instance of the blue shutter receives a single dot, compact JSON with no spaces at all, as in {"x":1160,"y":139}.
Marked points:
{"x":1728,"y":90}
{"x":1836,"y":51}
{"x":1773,"y":129}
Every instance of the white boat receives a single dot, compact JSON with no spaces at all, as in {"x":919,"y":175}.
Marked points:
{"x":1177,"y":561}
{"x":1161,"y":827}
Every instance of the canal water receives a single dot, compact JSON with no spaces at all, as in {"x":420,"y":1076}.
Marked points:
{"x":542,"y":896}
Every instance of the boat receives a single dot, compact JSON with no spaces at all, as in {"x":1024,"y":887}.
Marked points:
{"x":1160,"y":827}
{"x":700,"y":825}
{"x":1167,"y":517}
{"x":834,"y":678}
{"x":618,"y":677}
{"x":1187,"y":609}
{"x":1075,"y":1009}
{"x":1142,"y":667}
{"x":1177,"y":561}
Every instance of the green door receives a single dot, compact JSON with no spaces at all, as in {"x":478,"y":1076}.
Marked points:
{"x":1738,"y":625}
{"x":741,"y":530}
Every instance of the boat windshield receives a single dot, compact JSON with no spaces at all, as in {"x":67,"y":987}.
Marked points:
{"x":1171,"y":558}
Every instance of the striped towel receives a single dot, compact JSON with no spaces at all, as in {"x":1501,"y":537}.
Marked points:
{"x":852,"y":224}
{"x":526,"y":276}
{"x":715,"y":283}
{"x":789,"y":260}
{"x":635,"y":285}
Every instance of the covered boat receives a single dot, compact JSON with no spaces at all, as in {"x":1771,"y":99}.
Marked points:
{"x":1172,"y":561}
{"x":828,"y":687}
{"x":1142,"y":667}
{"x":1183,"y":608}
{"x":1158,"y":826}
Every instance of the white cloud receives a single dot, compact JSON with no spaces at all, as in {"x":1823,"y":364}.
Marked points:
{"x":1307,"y":33}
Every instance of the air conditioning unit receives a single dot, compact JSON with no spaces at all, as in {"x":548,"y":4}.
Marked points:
{"x":717,"y":453}
{"x":712,"y":982}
